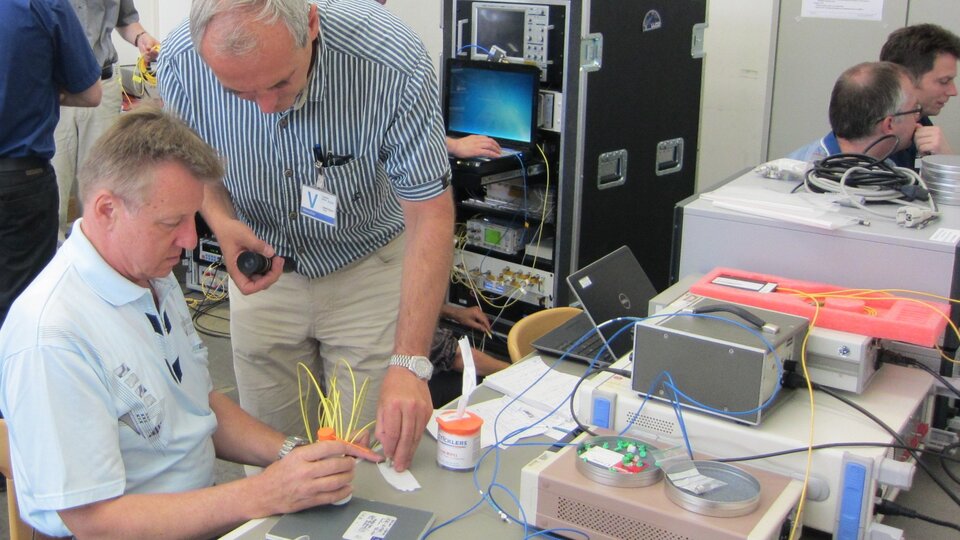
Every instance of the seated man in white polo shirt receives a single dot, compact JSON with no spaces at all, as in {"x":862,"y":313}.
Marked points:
{"x":114,"y":426}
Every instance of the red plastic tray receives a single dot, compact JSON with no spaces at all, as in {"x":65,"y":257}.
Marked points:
{"x":888,"y":315}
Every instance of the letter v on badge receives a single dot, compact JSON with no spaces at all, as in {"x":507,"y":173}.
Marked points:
{"x":318,"y":204}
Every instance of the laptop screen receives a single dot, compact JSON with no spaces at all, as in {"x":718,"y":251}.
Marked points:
{"x":495,"y":99}
{"x":611,"y":287}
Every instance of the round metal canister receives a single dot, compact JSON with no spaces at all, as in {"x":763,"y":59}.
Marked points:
{"x":740,"y":495}
{"x":636,"y":467}
{"x":941,"y":173}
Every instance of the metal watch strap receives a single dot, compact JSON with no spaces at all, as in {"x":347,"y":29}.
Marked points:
{"x":291,"y":442}
{"x":419,"y":365}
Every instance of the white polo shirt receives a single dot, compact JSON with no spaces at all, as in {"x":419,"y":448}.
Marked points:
{"x":104,"y":393}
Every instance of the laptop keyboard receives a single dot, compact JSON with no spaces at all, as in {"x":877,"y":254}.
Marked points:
{"x":587,"y":348}
{"x":504,"y":152}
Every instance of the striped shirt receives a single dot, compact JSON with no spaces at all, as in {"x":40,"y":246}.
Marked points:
{"x":372,"y":95}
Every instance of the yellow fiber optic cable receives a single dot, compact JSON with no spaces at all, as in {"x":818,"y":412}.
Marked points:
{"x":884,"y":294}
{"x":329,"y":412}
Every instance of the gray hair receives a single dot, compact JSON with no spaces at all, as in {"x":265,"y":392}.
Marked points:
{"x":123,"y":159}
{"x":239,"y":39}
{"x":864,"y":95}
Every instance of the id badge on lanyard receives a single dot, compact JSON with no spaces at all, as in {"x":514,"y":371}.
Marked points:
{"x":315,"y":201}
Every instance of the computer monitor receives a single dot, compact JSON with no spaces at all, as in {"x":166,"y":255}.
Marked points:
{"x":495,"y":99}
{"x":500,"y":25}
{"x":518,"y":31}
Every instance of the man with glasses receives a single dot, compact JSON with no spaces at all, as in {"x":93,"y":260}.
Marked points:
{"x":873,"y":111}
{"x":929,"y":53}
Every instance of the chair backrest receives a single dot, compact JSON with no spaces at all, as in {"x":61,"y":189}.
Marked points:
{"x":19,"y":530}
{"x":531,"y":327}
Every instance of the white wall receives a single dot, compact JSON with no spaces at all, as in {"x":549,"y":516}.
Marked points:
{"x":761,"y":102}
{"x":811,"y":53}
{"x":172,"y":14}
{"x":737,"y":83}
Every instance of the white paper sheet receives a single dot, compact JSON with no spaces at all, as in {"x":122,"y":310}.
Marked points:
{"x":536,"y":384}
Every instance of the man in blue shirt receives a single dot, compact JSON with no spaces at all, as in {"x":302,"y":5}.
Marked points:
{"x":930,"y":54}
{"x":45,"y":62}
{"x":870,"y":101}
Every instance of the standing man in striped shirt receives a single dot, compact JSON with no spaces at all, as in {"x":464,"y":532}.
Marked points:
{"x":328,"y":117}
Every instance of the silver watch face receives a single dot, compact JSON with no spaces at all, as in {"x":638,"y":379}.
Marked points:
{"x":419,"y":365}
{"x":422,"y":367}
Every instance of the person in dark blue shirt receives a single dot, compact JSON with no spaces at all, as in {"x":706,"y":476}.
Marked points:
{"x":929,"y":53}
{"x":45,"y":62}
{"x":873,"y":110}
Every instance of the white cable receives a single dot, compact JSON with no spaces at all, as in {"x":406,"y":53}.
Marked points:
{"x":859,"y":196}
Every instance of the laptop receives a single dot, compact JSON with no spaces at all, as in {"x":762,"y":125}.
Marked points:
{"x":495,"y":99}
{"x":611,"y":287}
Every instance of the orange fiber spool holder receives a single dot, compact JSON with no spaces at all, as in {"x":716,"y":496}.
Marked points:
{"x":860,"y":311}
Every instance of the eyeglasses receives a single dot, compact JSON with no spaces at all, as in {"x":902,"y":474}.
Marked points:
{"x":916,"y":112}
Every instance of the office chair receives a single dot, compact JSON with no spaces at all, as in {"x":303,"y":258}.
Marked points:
{"x":19,"y":530}
{"x":531,"y":327}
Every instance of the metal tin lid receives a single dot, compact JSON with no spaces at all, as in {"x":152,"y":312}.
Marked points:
{"x":618,"y":461}
{"x":941,"y":172}
{"x":944,"y":162}
{"x":740,"y":495}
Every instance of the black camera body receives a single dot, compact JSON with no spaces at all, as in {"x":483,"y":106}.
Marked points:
{"x":250,"y":263}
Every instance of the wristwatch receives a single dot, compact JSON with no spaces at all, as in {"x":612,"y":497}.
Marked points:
{"x":289,"y":444}
{"x":419,"y":365}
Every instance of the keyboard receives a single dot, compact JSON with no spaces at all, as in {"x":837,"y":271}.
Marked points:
{"x":559,"y":340}
{"x":504,"y":152}
{"x":587,"y":349}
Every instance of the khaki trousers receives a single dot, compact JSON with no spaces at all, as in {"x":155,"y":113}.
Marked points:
{"x":348,"y":316}
{"x":77,"y":130}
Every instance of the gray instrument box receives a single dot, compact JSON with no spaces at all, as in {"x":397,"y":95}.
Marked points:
{"x":719,"y":363}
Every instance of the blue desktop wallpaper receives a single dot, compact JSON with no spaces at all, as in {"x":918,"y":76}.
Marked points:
{"x":495,"y":103}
